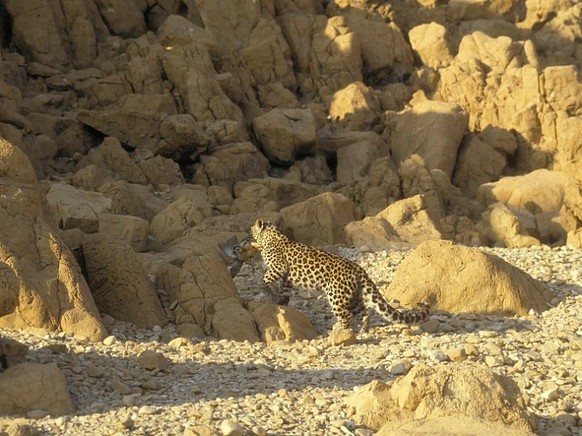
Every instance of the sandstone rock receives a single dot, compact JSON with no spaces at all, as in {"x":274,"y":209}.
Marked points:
{"x":109,"y":155}
{"x":119,"y":285}
{"x":371,"y":233}
{"x":355,"y":105}
{"x":574,"y":239}
{"x":319,"y":220}
{"x":379,"y":188}
{"x":430,"y":42}
{"x":413,"y":219}
{"x":34,"y":386}
{"x":194,"y":275}
{"x":313,"y":170}
{"x":283,"y":133}
{"x":277,"y":323}
{"x":11,"y":353}
{"x":538,"y":191}
{"x":461,"y":279}
{"x":161,"y":171}
{"x":341,"y":336}
{"x":75,"y":208}
{"x":125,"y":20}
{"x":233,"y":321}
{"x":569,"y":156}
{"x":35,"y":33}
{"x":133,"y":199}
{"x":178,"y":216}
{"x":354,"y":161}
{"x":150,"y":359}
{"x":383,"y":45}
{"x":35,"y":261}
{"x":270,"y":194}
{"x":477,"y":163}
{"x":432,"y":130}
{"x":473,"y":10}
{"x":471,"y":391}
{"x":514,"y":227}
{"x":458,"y":425}
{"x":231,"y":163}
{"x":130,"y":229}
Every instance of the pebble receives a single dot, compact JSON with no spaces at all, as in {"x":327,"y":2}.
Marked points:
{"x":140,"y":384}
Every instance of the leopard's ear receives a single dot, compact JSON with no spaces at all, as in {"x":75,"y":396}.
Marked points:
{"x":259,"y":223}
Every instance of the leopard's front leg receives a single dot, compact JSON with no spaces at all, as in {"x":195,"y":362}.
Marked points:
{"x":278,"y":286}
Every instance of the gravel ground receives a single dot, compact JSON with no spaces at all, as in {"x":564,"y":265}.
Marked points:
{"x":220,"y":386}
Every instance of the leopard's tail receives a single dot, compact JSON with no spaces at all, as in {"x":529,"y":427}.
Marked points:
{"x":406,"y":316}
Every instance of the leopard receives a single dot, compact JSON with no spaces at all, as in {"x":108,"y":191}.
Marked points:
{"x":350,"y":291}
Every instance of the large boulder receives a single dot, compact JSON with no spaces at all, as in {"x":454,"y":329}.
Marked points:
{"x":432,"y":44}
{"x":36,"y":264}
{"x":458,"y":279}
{"x":459,"y":392}
{"x":356,"y":106}
{"x":431,"y":129}
{"x":319,"y":220}
{"x":278,"y":323}
{"x":119,"y":285}
{"x":284,"y":133}
{"x":34,"y":386}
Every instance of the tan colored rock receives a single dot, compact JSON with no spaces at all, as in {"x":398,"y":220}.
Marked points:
{"x":379,"y":188}
{"x":119,"y":285}
{"x":569,"y":156}
{"x":574,"y":239}
{"x":179,"y":216}
{"x":356,"y":105}
{"x":231,"y":163}
{"x":151,"y":359}
{"x":83,"y":43}
{"x":35,"y":33}
{"x":341,"y":336}
{"x":278,"y":323}
{"x":130,"y":229}
{"x":539,"y":191}
{"x":312,"y":170}
{"x":36,"y":262}
{"x":133,"y":199}
{"x":34,"y":386}
{"x":516,"y":228}
{"x":383,"y":45}
{"x":161,"y":171}
{"x":283,"y":133}
{"x":231,"y":320}
{"x":414,"y":219}
{"x":125,"y":20}
{"x":354,"y":161}
{"x":319,"y":220}
{"x":75,"y":208}
{"x":477,"y":163}
{"x":109,"y":155}
{"x":270,"y":194}
{"x":432,"y":130}
{"x":371,"y":233}
{"x":12,"y":353}
{"x":454,"y":390}
{"x":430,"y":42}
{"x":475,"y":9}
{"x":460,"y":279}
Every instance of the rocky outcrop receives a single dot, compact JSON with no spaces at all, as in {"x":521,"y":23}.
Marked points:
{"x":34,"y":386}
{"x":36,"y":262}
{"x":456,"y":391}
{"x":460,"y":279}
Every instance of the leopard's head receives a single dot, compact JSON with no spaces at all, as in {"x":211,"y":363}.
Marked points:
{"x":262,"y":231}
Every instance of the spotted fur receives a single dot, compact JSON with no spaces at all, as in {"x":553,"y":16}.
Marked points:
{"x":350,"y":291}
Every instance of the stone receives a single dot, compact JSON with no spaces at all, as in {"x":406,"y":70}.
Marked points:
{"x":131,"y":229}
{"x":75,"y":208}
{"x":319,"y":220}
{"x":12,"y":352}
{"x":284,"y":133}
{"x":118,"y":283}
{"x":475,"y":282}
{"x":431,"y":42}
{"x":277,"y":323}
{"x":341,"y":336}
{"x":176,"y":218}
{"x":355,"y":105}
{"x":36,"y":262}
{"x":150,"y":360}
{"x":231,"y":320}
{"x":230,"y":427}
{"x":371,"y":233}
{"x":431,"y":129}
{"x":413,"y":219}
{"x":33,"y":386}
